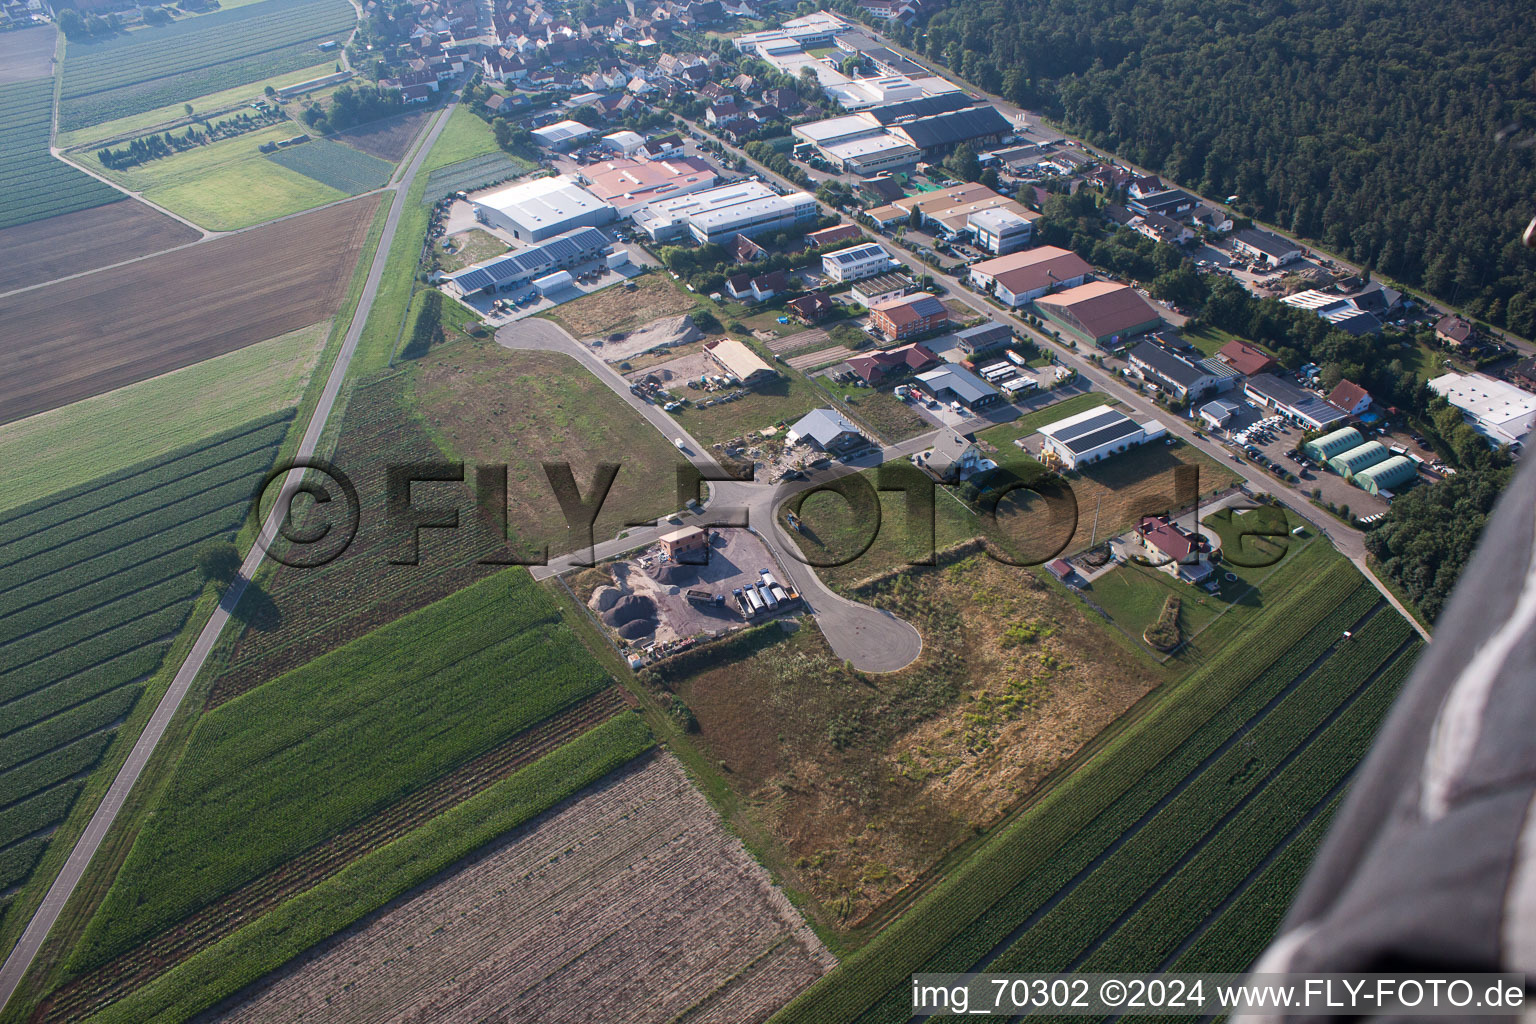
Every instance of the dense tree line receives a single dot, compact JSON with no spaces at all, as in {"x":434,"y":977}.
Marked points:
{"x":1429,"y":534}
{"x":1399,"y":136}
{"x":353,"y":105}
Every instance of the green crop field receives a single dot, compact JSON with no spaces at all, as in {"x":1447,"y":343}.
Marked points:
{"x":36,"y":185}
{"x":470,"y":174}
{"x":331,"y":163}
{"x":138,"y":71}
{"x":1138,"y":857}
{"x":376,"y":719}
{"x":97,"y":582}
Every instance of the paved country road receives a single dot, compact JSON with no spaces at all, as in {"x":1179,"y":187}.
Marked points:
{"x":868,"y":639}
{"x":85,"y":848}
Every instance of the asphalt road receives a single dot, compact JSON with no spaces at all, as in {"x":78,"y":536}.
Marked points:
{"x":867,"y":638}
{"x":106,"y":813}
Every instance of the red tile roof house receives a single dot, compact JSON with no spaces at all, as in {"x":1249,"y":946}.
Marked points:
{"x":908,"y":316}
{"x":1350,"y":398}
{"x":880,"y":366}
{"x":1245,"y":358}
{"x":1165,"y":538}
{"x":812,"y":308}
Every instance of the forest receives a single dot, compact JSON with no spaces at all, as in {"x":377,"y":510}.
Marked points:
{"x":1400,"y":136}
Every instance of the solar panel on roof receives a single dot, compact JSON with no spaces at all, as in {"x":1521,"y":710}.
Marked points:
{"x":1104,"y":435}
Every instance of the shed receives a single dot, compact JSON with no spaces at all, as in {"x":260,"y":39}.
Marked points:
{"x":690,"y":544}
{"x":560,"y":279}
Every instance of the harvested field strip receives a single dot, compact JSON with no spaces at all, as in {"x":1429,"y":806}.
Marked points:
{"x":797,"y":341}
{"x":388,"y":139}
{"x":73,"y":243}
{"x":631,"y":903}
{"x":330,"y":163}
{"x":1026,"y":861}
{"x":1255,"y":835}
{"x":382,"y":875}
{"x":38,"y":186}
{"x":89,"y":608}
{"x":1096,"y":904}
{"x":377,"y":719}
{"x":211,"y":924}
{"x":74,"y":339}
{"x":821,"y":357}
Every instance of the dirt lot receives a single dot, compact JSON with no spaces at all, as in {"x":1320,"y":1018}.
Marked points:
{"x":667,"y":332}
{"x":78,"y":338}
{"x":389,"y":139}
{"x":676,"y":372}
{"x":26,"y":54}
{"x":76,"y":242}
{"x":629,"y":903}
{"x":616,"y":309}
{"x":868,"y":781}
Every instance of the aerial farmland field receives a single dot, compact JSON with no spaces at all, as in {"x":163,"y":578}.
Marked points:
{"x":635,"y":879}
{"x":72,"y":340}
{"x":99,"y":579}
{"x":389,"y":138}
{"x":38,"y":186}
{"x":27,"y":53}
{"x":348,"y":170}
{"x":138,"y":71}
{"x":73,"y":243}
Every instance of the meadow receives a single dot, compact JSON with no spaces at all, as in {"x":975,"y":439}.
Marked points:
{"x":64,"y":447}
{"x":332,"y":164}
{"x":138,"y":71}
{"x":37,"y":185}
{"x":1139,"y":856}
{"x":98,"y":581}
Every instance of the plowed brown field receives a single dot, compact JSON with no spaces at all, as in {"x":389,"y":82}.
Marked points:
{"x":631,"y":903}
{"x":75,"y":242}
{"x":74,"y":339}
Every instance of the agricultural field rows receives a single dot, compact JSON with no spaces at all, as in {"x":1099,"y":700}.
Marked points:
{"x":36,"y":185}
{"x":70,"y":340}
{"x":471,"y":174}
{"x":214,"y":922}
{"x":1017,"y":870}
{"x":336,"y":165}
{"x":632,"y":903}
{"x":138,"y":71}
{"x":377,"y":719}
{"x":97,"y":581}
{"x":382,"y":875}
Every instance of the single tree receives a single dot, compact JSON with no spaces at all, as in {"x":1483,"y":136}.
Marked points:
{"x":219,"y":560}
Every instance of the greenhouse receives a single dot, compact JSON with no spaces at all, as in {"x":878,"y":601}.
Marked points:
{"x":1337,"y":443}
{"x":1353,"y":461}
{"x":1384,"y":476}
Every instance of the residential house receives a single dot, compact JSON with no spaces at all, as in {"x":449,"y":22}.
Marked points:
{"x":1167,"y":540}
{"x":826,"y":430}
{"x":908,"y":316}
{"x":1349,"y":398}
{"x":1454,"y":331}
{"x":1248,"y":360}
{"x":811,"y":308}
{"x":952,"y":458}
{"x":892,"y":363}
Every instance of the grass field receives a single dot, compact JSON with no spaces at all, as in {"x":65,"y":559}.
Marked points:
{"x":465,"y":136}
{"x":474,"y":245}
{"x":227,"y":184}
{"x":64,"y":447}
{"x":99,"y":579}
{"x":376,"y":719}
{"x":616,"y":309}
{"x":36,"y":185}
{"x":783,"y":400}
{"x":490,"y":406}
{"x":174,"y":115}
{"x":330,"y":163}
{"x":140,"y":71}
{"x":1135,"y":857}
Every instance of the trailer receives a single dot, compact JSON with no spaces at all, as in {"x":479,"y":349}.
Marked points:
{"x":1016,"y":359}
{"x":757,"y":603}
{"x":768,"y":599}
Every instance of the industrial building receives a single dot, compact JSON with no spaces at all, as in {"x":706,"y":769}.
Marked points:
{"x":908,"y":316}
{"x":739,"y":361}
{"x":542,"y":208}
{"x":1219,"y":413}
{"x":1020,"y":277}
{"x":1499,"y":411}
{"x":1269,"y":249}
{"x":1001,"y":231}
{"x":1101,"y":312}
{"x":984,"y":338}
{"x":857,"y":261}
{"x":717,"y":215}
{"x":1381,"y":478}
{"x":1179,"y":374}
{"x":627,"y":185}
{"x":562,"y":134}
{"x":1095,"y":434}
{"x":872,"y":155}
{"x":809,"y":32}
{"x":871,"y":291}
{"x":1340,"y":312}
{"x":1293,"y":400}
{"x":505,"y":273}
{"x":950,"y":382}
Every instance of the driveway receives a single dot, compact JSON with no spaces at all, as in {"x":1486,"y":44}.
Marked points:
{"x":868,"y":639}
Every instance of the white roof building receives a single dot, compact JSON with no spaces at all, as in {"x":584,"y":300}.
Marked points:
{"x":625,"y":142}
{"x":542,"y":208}
{"x":713,"y":215}
{"x":562,"y":133}
{"x":1096,"y":434}
{"x":1498,"y":410}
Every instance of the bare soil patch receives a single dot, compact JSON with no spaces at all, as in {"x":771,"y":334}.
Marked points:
{"x":867,"y":781}
{"x":85,"y":240}
{"x":669,"y":332}
{"x":389,"y":139}
{"x":796,"y":342}
{"x":26,"y":54}
{"x":629,"y":903}
{"x":78,"y":338}
{"x":821,"y":357}
{"x":619,"y":309}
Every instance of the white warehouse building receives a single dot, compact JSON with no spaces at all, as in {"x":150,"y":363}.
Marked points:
{"x":1499,"y":411}
{"x":1096,"y":434}
{"x":747,"y":208}
{"x":857,"y":262}
{"x":539,"y":209}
